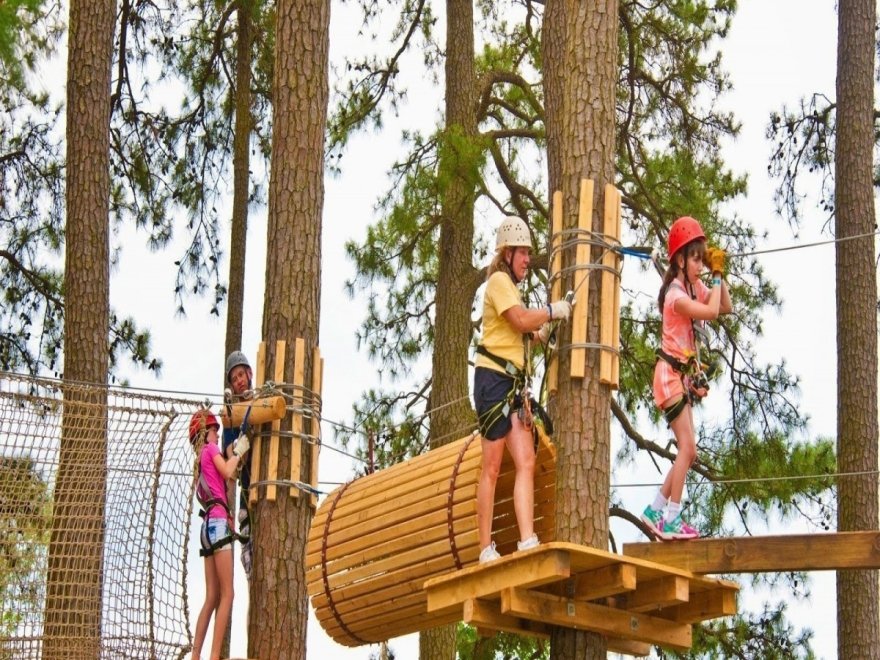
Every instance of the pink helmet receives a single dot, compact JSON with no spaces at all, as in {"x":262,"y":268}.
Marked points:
{"x":683,"y":231}
{"x":201,"y":421}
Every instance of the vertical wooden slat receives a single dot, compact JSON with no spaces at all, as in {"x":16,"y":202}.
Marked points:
{"x":556,"y":287}
{"x":257,"y":439}
{"x":317,"y":383}
{"x":581,"y":284}
{"x":272,"y":470}
{"x":610,"y":282}
{"x":615,"y":334}
{"x":299,"y":398}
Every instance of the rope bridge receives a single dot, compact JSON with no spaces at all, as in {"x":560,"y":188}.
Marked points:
{"x":93,"y":531}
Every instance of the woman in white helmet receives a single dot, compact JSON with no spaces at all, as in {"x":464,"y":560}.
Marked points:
{"x":498,"y":378}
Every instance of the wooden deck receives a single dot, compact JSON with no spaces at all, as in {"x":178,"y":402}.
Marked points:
{"x":758,"y":554}
{"x":633,"y":602}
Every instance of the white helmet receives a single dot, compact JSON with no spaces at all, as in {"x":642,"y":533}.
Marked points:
{"x":513,"y":232}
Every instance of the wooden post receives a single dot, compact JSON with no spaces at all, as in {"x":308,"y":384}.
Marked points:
{"x":609,"y":319}
{"x":317,"y":383}
{"x":581,"y":281}
{"x":556,"y":286}
{"x":296,"y":426}
{"x":272,"y":470}
{"x":257,"y":439}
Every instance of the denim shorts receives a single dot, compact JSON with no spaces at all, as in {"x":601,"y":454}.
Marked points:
{"x":214,"y":530}
{"x":492,"y":391}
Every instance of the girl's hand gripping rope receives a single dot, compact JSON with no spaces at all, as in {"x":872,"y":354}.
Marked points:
{"x":547,"y":333}
{"x":714,"y":258}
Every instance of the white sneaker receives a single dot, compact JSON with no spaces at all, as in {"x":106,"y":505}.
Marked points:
{"x":489,"y":553}
{"x":531,"y":542}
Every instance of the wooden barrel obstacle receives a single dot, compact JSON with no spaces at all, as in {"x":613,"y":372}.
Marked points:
{"x":374,"y":541}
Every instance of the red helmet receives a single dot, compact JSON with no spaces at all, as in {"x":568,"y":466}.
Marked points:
{"x":683,"y":231}
{"x":201,"y":421}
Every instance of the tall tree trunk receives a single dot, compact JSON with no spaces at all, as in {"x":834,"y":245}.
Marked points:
{"x":858,"y":617}
{"x":72,"y":627}
{"x":451,"y":410}
{"x":241,"y":177}
{"x":241,"y":156}
{"x":279,"y":602}
{"x":579,"y":46}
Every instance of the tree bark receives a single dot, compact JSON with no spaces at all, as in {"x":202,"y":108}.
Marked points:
{"x":451,"y":411}
{"x":279,"y":602}
{"x":241,"y":178}
{"x":579,"y":46}
{"x":858,"y":615}
{"x":72,"y":627}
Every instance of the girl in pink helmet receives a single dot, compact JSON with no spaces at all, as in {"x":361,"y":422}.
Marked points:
{"x":217,"y":534}
{"x":679,"y":381}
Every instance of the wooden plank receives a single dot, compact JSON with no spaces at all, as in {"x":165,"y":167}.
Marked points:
{"x":615,"y":336}
{"x":581,"y":280}
{"x":387,"y":541}
{"x":272,"y":470}
{"x":400,"y":485}
{"x":628,"y":647}
{"x":655,"y":594}
{"x":257,"y":411}
{"x":317,"y":384}
{"x":257,"y":440}
{"x":556,"y":286}
{"x":296,"y":422}
{"x":598,"y":618}
{"x":610,"y":281}
{"x":702,"y":606}
{"x":602,"y":582}
{"x":524,"y":569}
{"x":487,"y":614}
{"x":392,"y":517}
{"x":756,"y":554}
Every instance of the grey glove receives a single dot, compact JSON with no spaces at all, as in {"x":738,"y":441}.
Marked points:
{"x":560,"y":310}
{"x":241,"y":445}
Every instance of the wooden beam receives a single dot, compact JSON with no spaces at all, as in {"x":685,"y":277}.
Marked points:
{"x":487,"y":614}
{"x":702,"y":606}
{"x":257,"y":439}
{"x":556,"y":279}
{"x":525,"y":569}
{"x":602,"y":582}
{"x":581,"y":283}
{"x":598,"y":618}
{"x":652,"y":595}
{"x":272,"y":470}
{"x":758,"y":554}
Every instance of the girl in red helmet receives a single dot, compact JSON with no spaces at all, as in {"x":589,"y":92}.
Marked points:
{"x":217,"y":534}
{"x":678,"y":382}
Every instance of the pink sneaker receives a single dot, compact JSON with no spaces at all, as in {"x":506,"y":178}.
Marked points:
{"x":678,"y":529}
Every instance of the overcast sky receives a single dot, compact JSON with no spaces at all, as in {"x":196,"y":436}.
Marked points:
{"x":776,"y":53}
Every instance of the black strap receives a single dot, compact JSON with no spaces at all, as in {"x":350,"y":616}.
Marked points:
{"x":674,"y":362}
{"x":509,"y":367}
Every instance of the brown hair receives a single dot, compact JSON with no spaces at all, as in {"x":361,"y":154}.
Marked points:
{"x":696,"y":246}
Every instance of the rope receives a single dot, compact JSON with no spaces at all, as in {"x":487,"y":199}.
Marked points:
{"x":724,"y":482}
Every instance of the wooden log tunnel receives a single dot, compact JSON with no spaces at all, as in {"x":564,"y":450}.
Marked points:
{"x":374,"y":541}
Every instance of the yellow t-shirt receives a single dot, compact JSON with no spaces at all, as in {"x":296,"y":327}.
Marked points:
{"x":499,"y":337}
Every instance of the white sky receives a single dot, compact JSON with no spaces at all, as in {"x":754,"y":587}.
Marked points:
{"x":777,"y":52}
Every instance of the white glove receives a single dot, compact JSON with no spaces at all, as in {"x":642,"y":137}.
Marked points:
{"x":544,"y":332}
{"x":241,"y":445}
{"x":560,"y":310}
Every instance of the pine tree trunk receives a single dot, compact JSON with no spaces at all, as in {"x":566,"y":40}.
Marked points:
{"x":241,"y":177}
{"x":72,"y":627}
{"x":858,"y":616}
{"x":278,"y":611}
{"x":579,"y":45}
{"x":452,"y":415}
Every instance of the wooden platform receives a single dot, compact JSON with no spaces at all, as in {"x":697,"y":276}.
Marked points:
{"x":633,"y":602}
{"x":756,"y":554}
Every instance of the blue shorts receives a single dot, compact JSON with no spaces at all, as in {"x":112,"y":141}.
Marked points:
{"x":214,"y":530}
{"x":493,"y":396}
